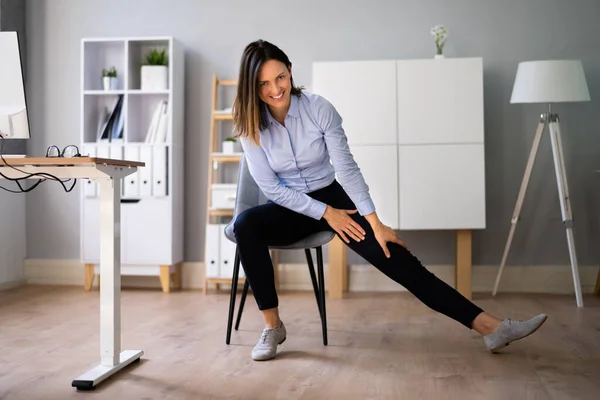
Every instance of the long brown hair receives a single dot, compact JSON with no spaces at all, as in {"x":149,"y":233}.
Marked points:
{"x":249,"y":111}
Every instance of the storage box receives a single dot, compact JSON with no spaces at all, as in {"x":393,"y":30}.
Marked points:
{"x":223,"y":196}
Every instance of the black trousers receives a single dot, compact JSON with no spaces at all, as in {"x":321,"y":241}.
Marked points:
{"x":271,"y":224}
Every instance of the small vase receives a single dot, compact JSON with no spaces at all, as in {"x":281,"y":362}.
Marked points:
{"x":228,"y":147}
{"x":154,"y":77}
{"x":439,"y":57}
{"x":109,"y":83}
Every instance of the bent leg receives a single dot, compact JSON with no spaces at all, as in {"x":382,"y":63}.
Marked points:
{"x":260,"y":227}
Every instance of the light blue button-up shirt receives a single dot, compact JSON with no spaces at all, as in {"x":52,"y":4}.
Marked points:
{"x":294,"y":159}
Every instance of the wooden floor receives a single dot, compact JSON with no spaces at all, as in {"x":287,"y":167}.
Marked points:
{"x":381,"y":346}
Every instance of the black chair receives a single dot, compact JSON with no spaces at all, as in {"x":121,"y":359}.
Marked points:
{"x":249,"y":195}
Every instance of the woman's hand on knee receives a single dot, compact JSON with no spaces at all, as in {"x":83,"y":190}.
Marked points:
{"x":385,"y":234}
{"x":343,"y":224}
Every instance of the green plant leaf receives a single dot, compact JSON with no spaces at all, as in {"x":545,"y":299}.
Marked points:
{"x":156,"y":57}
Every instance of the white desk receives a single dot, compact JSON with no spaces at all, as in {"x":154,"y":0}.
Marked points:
{"x":109,"y":174}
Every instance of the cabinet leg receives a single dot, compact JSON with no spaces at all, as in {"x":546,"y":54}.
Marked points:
{"x":463,"y":263}
{"x":337,"y":268}
{"x":165,"y":278}
{"x":89,"y":277}
{"x":177,"y":276}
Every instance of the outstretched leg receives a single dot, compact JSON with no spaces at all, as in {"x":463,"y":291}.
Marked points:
{"x":406,"y":269}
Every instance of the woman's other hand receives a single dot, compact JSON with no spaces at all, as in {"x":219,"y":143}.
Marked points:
{"x":343,"y":224}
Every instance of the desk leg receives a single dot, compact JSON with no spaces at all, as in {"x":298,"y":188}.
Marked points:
{"x":112,"y":359}
{"x":463,"y":263}
{"x":337,"y":268}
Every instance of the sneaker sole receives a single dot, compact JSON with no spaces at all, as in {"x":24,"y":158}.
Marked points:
{"x":500,"y":347}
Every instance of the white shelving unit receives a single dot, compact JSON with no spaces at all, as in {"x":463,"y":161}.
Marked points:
{"x":152,"y":229}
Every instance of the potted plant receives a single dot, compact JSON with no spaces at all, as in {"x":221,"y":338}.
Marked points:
{"x":440,"y":34}
{"x":109,"y":78}
{"x":229,"y":145}
{"x":155,"y":71}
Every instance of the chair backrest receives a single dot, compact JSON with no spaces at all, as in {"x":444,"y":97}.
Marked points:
{"x":248,"y":193}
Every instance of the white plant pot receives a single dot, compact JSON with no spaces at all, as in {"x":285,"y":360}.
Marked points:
{"x":228,"y":147}
{"x":155,"y":77}
{"x":109,"y":83}
{"x":439,"y":57}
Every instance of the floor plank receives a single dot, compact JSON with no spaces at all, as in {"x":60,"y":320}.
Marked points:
{"x":381,"y":346}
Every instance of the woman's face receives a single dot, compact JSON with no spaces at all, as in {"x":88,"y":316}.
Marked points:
{"x":274,"y":84}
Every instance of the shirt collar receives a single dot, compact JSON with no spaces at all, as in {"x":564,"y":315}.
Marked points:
{"x":292,"y":111}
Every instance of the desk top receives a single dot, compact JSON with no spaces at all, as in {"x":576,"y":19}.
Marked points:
{"x":63,"y":161}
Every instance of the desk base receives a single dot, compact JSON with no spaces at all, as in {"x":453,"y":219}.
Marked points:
{"x":90,"y":379}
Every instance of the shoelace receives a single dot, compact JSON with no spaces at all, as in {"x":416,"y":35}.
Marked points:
{"x":266,"y":333}
{"x":511,"y":321}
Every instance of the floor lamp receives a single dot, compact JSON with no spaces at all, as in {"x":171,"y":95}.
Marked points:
{"x":555,"y":81}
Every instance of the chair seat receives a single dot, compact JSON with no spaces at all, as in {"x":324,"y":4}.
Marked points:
{"x":311,"y":241}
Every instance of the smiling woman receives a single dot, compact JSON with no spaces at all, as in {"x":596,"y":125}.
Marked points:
{"x":266,"y":76}
{"x":298,"y":154}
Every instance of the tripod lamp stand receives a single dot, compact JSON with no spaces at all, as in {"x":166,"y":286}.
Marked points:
{"x":554,"y":81}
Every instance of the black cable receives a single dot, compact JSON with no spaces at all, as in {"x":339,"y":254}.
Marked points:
{"x":29,"y":176}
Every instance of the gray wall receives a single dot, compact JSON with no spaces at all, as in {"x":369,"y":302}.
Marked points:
{"x":215,"y":32}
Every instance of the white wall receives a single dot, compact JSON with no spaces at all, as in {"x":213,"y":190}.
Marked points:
{"x":214,"y":34}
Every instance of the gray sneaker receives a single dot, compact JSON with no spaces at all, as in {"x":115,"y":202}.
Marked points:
{"x":266,"y":348}
{"x":511,"y":330}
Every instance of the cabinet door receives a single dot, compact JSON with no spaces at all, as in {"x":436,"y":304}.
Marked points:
{"x":379,"y":167}
{"x":364,"y":93}
{"x":442,"y":187}
{"x":147,"y":232}
{"x":440,"y":101}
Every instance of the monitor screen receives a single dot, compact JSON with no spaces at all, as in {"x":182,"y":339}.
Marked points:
{"x":14,"y":121}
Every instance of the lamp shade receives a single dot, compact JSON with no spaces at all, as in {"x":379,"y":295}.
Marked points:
{"x":553,"y":81}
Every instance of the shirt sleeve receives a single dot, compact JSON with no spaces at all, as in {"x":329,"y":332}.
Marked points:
{"x":347,"y":170}
{"x":268,"y":181}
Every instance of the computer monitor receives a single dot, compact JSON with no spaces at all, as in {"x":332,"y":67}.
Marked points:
{"x":14,"y":120}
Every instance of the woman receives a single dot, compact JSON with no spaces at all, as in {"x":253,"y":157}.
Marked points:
{"x":289,"y":137}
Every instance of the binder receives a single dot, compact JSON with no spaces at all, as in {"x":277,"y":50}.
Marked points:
{"x":159,"y":171}
{"x":213,"y":253}
{"x":90,"y":187}
{"x":145,"y":172}
{"x":131,"y":185}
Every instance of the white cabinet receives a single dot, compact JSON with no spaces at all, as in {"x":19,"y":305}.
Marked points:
{"x":140,"y":125}
{"x":416,"y":129}
{"x":379,"y":167}
{"x":364,"y":94}
{"x":440,"y":101}
{"x":442,"y":187}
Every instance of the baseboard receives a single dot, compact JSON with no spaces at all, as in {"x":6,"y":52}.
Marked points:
{"x":12,"y":284}
{"x":362,"y":278}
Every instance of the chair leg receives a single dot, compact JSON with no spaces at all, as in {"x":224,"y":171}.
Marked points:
{"x":313,"y":278}
{"x":234,"y":283}
{"x":242,"y":302}
{"x":322,"y":293}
